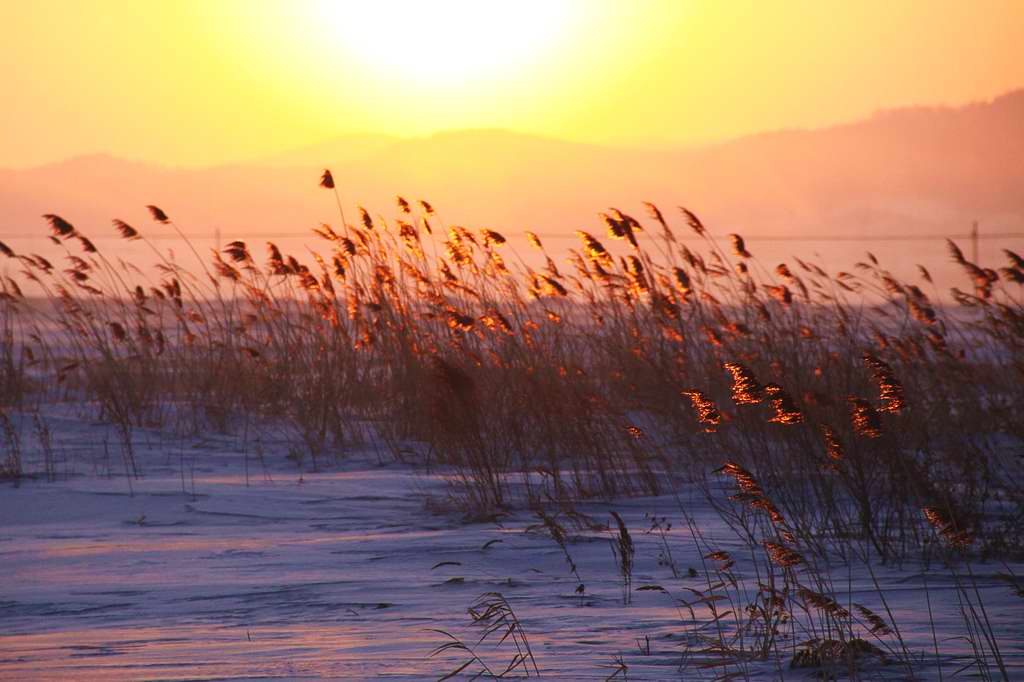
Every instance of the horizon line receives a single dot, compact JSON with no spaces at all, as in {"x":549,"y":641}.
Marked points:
{"x":636,"y":145}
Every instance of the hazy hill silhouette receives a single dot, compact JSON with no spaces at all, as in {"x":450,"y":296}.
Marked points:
{"x":908,"y":170}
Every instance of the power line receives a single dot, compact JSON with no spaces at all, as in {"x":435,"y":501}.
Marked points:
{"x":688,"y":238}
{"x":842,"y":238}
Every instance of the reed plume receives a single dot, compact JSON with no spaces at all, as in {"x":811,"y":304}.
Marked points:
{"x":60,"y":227}
{"x":707,"y":411}
{"x":781,"y":555}
{"x":127,"y":231}
{"x":158,"y":215}
{"x":745,"y":388}
{"x":947,"y":528}
{"x":864,"y":417}
{"x":889,"y":387}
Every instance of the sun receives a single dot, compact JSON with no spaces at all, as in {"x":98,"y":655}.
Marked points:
{"x":404,"y":67}
{"x":441,"y":43}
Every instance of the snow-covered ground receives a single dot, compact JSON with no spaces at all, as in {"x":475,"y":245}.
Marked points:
{"x":223,"y":560}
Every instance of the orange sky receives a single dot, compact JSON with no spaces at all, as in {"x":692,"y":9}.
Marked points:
{"x":204,"y":82}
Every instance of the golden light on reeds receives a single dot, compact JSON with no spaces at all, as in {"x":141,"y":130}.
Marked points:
{"x":781,"y":555}
{"x":947,"y":528}
{"x":745,"y":388}
{"x":451,"y":332}
{"x":707,"y":411}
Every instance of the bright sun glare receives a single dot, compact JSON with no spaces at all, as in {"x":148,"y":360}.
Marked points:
{"x":443,"y":43}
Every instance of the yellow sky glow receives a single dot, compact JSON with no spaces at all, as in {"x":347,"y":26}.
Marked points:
{"x":211,"y":81}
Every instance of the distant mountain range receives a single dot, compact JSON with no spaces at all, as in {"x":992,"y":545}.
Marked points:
{"x":908,"y":171}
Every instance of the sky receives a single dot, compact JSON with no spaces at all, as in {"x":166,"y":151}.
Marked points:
{"x":193,"y":83}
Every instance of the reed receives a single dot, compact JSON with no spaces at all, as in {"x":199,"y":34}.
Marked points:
{"x":851,"y":414}
{"x":857,"y":398}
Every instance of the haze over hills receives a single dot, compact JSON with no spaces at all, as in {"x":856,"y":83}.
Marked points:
{"x":909,"y":171}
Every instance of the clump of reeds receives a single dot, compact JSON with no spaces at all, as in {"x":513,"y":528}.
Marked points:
{"x":492,"y":613}
{"x":522,"y":376}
